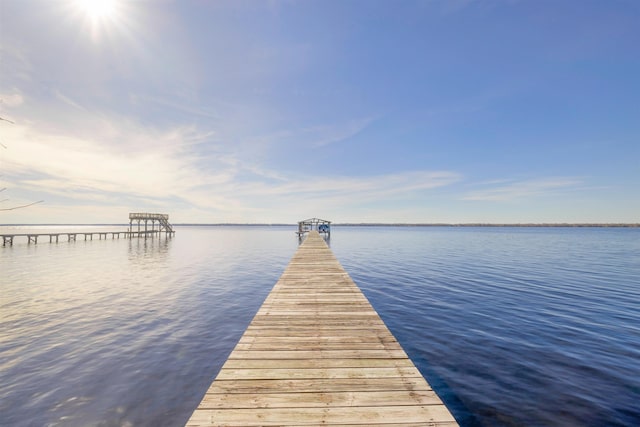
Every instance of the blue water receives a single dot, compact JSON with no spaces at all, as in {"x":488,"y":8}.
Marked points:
{"x":511,"y":326}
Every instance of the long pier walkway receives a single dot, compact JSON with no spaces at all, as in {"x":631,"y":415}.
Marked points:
{"x":317,"y":353}
{"x":163,"y":227}
{"x":7,"y":239}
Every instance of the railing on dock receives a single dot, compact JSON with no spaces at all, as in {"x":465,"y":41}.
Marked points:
{"x":163,"y":221}
{"x":322,"y":226}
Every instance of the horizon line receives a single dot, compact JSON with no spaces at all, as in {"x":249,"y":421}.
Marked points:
{"x":366,"y":224}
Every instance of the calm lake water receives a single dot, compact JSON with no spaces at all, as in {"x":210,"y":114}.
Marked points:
{"x":511,"y":326}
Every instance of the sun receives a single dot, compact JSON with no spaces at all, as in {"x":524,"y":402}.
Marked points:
{"x":102,"y":19}
{"x":98,"y":10}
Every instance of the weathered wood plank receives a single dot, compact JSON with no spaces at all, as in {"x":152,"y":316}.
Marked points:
{"x":316,"y":373}
{"x":316,"y":363}
{"x":363,"y":415}
{"x":317,"y":385}
{"x":318,"y":346}
{"x":302,"y":332}
{"x":321,"y":399}
{"x":338,"y":340}
{"x":317,"y":353}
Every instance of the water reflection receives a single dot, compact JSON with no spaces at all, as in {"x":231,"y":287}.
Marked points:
{"x":131,"y":332}
{"x":149,"y":247}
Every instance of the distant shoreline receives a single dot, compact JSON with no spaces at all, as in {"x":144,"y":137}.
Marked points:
{"x":376,"y":224}
{"x":594,"y":225}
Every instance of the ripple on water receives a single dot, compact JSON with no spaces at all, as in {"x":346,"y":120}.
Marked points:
{"x":510,"y":326}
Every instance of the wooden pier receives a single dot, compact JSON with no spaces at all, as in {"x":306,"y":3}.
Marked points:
{"x":163,"y":227}
{"x":7,"y":239}
{"x":317,"y":353}
{"x":163,"y":221}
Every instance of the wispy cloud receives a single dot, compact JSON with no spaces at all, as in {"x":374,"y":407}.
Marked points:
{"x":150,"y":162}
{"x":339,"y":196}
{"x":325,"y":135}
{"x":67,"y":100}
{"x":11,"y":99}
{"x":350,"y":190}
{"x":505,"y":190}
{"x":123,"y":162}
{"x":15,"y":62}
{"x":315,"y":136}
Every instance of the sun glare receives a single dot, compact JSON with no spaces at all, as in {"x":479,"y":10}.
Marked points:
{"x":102,"y":19}
{"x":98,"y":10}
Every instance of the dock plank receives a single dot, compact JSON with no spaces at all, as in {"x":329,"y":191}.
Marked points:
{"x":317,"y":353}
{"x":431,"y":415}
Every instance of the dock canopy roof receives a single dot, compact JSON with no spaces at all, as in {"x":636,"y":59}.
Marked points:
{"x":314,"y":221}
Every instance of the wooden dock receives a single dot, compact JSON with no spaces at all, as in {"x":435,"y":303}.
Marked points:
{"x":163,"y":227}
{"x":7,"y":239}
{"x":317,"y":353}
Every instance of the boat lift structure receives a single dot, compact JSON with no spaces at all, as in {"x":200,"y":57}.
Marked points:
{"x":322,"y":226}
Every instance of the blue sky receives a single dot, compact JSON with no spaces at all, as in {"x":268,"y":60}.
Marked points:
{"x":355,"y":111}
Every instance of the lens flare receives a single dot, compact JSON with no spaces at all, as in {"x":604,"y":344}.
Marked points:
{"x":98,"y":10}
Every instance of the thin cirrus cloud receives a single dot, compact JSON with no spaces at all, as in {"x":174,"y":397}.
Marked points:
{"x":352,"y":190}
{"x":332,"y":135}
{"x":110,"y":160}
{"x":156,"y":164}
{"x":67,"y":100}
{"x":504,"y":190}
{"x":317,"y":136}
{"x":300,"y":195}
